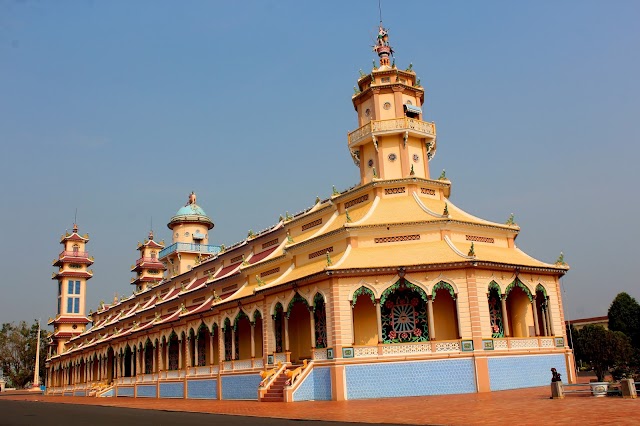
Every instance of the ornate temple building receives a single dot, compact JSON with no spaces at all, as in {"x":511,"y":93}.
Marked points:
{"x":387,"y":289}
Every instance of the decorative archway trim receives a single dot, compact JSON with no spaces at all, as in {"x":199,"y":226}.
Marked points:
{"x":363,"y":290}
{"x":389,"y":290}
{"x":493,"y":285}
{"x":443,"y":285}
{"x":296,"y":298}
{"x":523,"y":286}
{"x":542,"y":289}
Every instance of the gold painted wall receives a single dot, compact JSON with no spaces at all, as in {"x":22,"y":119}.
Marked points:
{"x":365,"y":325}
{"x":444,"y":316}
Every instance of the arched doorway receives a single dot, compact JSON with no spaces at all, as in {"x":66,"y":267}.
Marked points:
{"x":495,"y":311}
{"x":519,"y":310}
{"x":257,"y":334}
{"x":148,"y":357}
{"x":299,"y":326}
{"x":320,"y":321}
{"x":226,"y":329}
{"x":445,"y":312}
{"x":174,"y":351}
{"x":278,"y":327}
{"x":202,"y":343}
{"x":541,"y":310}
{"x":95,"y":366}
{"x":403,"y":309}
{"x":216,"y":344}
{"x":242,"y":327}
{"x":128,"y":358}
{"x":364,"y":317}
{"x":110,"y":362}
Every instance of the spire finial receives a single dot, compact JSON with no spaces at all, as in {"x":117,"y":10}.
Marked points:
{"x":192,"y":199}
{"x":382,"y":47}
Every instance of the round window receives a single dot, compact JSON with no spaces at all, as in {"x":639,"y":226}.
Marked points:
{"x":416,"y":158}
{"x":370,"y":163}
{"x":367,"y":112}
{"x":392,"y":157}
{"x":409,"y":103}
{"x":387,"y":105}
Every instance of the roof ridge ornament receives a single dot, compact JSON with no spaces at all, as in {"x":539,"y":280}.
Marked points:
{"x":192,"y":199}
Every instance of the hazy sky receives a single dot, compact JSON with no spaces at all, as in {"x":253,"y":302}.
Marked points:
{"x":121,"y":108}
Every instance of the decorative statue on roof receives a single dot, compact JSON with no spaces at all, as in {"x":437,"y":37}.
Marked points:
{"x":192,"y":199}
{"x":383,"y":36}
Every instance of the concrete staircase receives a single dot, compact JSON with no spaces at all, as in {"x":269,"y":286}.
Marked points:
{"x":275,"y":393}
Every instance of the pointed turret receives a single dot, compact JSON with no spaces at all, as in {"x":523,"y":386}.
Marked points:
{"x":72,"y":277}
{"x":190,"y":228}
{"x":148,"y":268}
{"x":392,"y":140}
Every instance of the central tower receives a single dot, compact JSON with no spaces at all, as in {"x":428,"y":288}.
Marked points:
{"x":190,"y":228}
{"x":392,"y":140}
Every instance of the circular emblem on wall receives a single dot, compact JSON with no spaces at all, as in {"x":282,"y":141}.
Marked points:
{"x":387,"y":105}
{"x":370,"y":163}
{"x":186,"y":234}
{"x":367,"y":112}
{"x":416,"y":158}
{"x":177,"y":235}
{"x":392,"y":157}
{"x":409,"y":103}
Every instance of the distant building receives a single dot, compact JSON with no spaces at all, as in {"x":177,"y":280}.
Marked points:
{"x":386,"y":289}
{"x":582,"y":322}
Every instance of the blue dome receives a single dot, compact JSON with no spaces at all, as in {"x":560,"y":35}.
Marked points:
{"x":191,"y":210}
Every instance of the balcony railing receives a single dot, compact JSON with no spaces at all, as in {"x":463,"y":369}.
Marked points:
{"x":67,"y":253}
{"x":197,"y":248}
{"x":423,"y":128}
{"x":147,"y":260}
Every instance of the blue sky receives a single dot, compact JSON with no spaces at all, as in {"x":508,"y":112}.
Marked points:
{"x":120,"y":109}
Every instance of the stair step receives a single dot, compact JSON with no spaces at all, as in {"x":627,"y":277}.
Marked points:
{"x":272,"y":399}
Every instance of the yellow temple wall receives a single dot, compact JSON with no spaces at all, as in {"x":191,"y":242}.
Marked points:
{"x":365,"y":326}
{"x":444,"y":316}
{"x":386,"y":114}
{"x":179,"y":230}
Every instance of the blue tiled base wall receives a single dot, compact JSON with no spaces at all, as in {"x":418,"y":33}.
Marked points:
{"x":125,"y":391}
{"x":396,"y":379}
{"x":108,"y":393}
{"x":512,"y":372}
{"x":202,"y":389}
{"x":146,"y":391}
{"x":316,"y":386}
{"x":172,"y":390}
{"x":240,"y":387}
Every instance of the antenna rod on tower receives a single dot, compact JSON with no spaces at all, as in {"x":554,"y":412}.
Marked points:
{"x":75,"y":216}
{"x":380,"y":9}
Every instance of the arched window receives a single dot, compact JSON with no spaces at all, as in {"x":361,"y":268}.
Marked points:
{"x":320,"y":321}
{"x":519,"y":309}
{"x":364,"y":317}
{"x":495,"y":311}
{"x":403,"y":308}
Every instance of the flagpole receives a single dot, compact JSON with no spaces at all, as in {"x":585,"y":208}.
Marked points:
{"x":36,"y":375}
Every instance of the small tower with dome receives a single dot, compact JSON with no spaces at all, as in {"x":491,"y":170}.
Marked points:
{"x":148,"y":268}
{"x":72,"y":276}
{"x":190,"y":228}
{"x":392,"y":141}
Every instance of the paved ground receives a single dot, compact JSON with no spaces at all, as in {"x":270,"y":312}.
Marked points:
{"x":519,"y":407}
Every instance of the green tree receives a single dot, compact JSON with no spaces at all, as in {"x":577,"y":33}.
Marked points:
{"x":18,"y":353}
{"x":602,"y":348}
{"x":624,"y":316}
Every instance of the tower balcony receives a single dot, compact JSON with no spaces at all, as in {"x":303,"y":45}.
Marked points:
{"x":410,"y":126}
{"x":189,"y":248}
{"x":81,"y":257}
{"x":148,"y":263}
